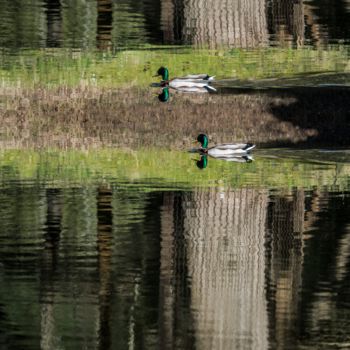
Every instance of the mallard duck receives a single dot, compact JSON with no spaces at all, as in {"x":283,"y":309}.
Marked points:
{"x":226,"y":150}
{"x":188,"y":83}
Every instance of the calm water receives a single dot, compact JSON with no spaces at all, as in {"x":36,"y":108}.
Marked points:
{"x":137,"y":250}
{"x":102,"y":262}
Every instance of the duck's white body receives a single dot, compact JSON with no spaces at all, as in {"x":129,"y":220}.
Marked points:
{"x":230,"y":150}
{"x":192,"y":83}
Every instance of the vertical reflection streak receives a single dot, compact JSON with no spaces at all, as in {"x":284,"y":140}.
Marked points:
{"x":54,"y":23}
{"x":175,"y":320}
{"x":104,"y":24}
{"x":166,"y":285}
{"x":225,"y":236}
{"x":286,"y":263}
{"x":220,"y":23}
{"x":49,"y":265}
{"x":104,"y":247}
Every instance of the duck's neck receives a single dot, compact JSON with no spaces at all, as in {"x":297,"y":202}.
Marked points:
{"x":165,"y":75}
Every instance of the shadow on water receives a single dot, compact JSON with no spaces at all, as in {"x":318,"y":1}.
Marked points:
{"x":326,"y":109}
{"x":322,"y":107}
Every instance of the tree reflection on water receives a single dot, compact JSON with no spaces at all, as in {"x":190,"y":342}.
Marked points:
{"x":218,"y":268}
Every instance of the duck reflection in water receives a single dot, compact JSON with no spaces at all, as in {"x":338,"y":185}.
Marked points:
{"x":202,"y":163}
{"x":164,"y":95}
{"x":193,"y":83}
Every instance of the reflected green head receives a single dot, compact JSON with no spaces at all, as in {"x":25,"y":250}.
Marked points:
{"x":163,"y":71}
{"x":164,"y":96}
{"x":203,"y":140}
{"x":202,"y":163}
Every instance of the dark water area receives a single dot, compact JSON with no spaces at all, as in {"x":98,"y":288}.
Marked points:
{"x":125,"y":23}
{"x":116,"y":263}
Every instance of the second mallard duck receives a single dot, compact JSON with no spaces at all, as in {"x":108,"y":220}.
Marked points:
{"x":223,"y":150}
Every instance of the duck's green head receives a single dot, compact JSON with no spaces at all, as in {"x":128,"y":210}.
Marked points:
{"x":203,"y":140}
{"x":202,"y":163}
{"x":163,"y":71}
{"x":164,"y":96}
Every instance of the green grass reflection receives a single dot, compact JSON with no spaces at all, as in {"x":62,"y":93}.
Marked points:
{"x":157,"y":168}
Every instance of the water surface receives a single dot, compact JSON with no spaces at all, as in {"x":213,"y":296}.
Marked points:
{"x":128,"y":247}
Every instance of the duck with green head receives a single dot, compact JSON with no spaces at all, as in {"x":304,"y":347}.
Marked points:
{"x":164,"y":73}
{"x":188,"y":83}
{"x":225,"y":150}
